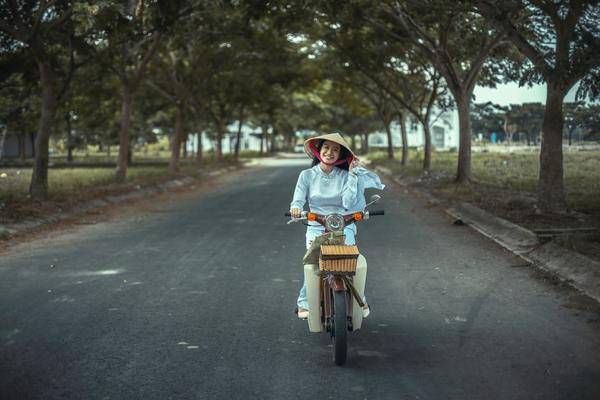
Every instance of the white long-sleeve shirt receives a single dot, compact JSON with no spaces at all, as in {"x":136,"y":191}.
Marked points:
{"x":337,"y":192}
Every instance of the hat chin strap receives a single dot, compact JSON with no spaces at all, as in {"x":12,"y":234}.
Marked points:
{"x":316,"y":153}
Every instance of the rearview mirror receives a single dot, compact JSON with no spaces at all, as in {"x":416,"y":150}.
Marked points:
{"x":374,"y":199}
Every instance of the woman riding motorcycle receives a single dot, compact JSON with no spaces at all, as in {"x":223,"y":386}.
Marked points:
{"x":334,"y":184}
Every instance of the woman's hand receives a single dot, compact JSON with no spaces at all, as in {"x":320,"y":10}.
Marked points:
{"x":296,"y":212}
{"x":355,"y":163}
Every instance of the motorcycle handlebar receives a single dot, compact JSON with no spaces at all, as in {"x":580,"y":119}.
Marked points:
{"x":378,"y":212}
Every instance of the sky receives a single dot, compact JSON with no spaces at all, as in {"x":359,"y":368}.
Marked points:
{"x":511,"y":93}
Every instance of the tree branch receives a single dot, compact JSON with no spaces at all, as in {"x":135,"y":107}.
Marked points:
{"x":161,"y":91}
{"x":503,"y":23}
{"x":72,"y":67}
{"x":477,"y":64}
{"x":139,"y":75}
{"x":59,"y":21}
{"x":432,"y":97}
{"x":38,"y":16}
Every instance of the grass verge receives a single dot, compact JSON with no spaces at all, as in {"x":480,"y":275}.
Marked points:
{"x":69,"y":186}
{"x":505,"y":184}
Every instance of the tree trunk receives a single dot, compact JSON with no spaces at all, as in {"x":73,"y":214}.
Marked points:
{"x":176,"y":141}
{"x":38,"y":189}
{"x":551,"y":196}
{"x":21,"y":144}
{"x":184,"y":142}
{"x":507,"y":131}
{"x":427,"y":149}
{"x":273,"y":137}
{"x":390,"y":145}
{"x":199,"y":149}
{"x":123,"y":157}
{"x":262,"y":140}
{"x":571,"y":136}
{"x":69,"y":138}
{"x":2,"y":141}
{"x":32,"y":143}
{"x":219,"y":145}
{"x":365,"y":147}
{"x":238,"y":137}
{"x":263,"y":137}
{"x":404,"y":140}
{"x":463,"y":173}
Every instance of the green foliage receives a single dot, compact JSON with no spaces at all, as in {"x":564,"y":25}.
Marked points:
{"x":561,"y":41}
{"x":583,"y":120}
{"x":527,"y":119}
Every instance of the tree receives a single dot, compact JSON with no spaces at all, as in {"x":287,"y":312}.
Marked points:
{"x":526,"y":118}
{"x":17,"y":110}
{"x":173,"y":72}
{"x":580,"y":118}
{"x":416,"y":89}
{"x":40,"y":29}
{"x":458,"y":44}
{"x":93,"y":108}
{"x":561,"y":42}
{"x":487,"y":118}
{"x":356,"y":55}
{"x":590,"y":122}
{"x":126,"y":38}
{"x":382,"y":102}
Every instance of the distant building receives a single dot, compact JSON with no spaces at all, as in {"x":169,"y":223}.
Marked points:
{"x":444,"y":135}
{"x":444,"y":132}
{"x":250,"y":140}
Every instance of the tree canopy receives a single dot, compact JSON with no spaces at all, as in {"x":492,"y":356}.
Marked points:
{"x":121,"y":72}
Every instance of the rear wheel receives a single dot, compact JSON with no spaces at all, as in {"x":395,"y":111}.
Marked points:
{"x":340,"y":328}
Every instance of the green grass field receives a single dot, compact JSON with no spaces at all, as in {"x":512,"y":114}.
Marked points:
{"x":64,"y":182}
{"x":516,"y":172}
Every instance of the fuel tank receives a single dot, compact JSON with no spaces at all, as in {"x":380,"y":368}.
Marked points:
{"x":311,"y":277}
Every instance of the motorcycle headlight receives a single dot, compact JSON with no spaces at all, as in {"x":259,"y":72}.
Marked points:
{"x":334,"y":222}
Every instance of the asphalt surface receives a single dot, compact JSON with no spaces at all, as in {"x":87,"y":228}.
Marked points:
{"x":193,"y":299}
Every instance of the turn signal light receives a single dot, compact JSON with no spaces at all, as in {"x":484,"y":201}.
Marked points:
{"x":311,"y":217}
{"x":358,"y":216}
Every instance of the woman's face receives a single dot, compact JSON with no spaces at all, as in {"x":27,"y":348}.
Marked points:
{"x":330,"y":151}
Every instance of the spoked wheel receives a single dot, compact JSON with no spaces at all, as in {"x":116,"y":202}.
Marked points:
{"x":340,"y":328}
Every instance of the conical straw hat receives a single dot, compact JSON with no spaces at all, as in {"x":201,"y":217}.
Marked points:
{"x":309,"y":144}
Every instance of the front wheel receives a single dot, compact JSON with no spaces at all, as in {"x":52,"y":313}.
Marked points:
{"x":340,"y":328}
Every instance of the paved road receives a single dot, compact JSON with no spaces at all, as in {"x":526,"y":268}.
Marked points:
{"x":194,"y":301}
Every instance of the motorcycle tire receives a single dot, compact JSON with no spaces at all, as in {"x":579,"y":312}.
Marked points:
{"x":340,"y":328}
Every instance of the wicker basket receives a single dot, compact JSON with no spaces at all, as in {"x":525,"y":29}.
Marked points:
{"x":338,"y":259}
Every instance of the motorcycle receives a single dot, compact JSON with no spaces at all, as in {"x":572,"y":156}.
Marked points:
{"x":335,"y":283}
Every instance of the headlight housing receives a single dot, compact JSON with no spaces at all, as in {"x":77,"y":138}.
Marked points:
{"x":334,"y":222}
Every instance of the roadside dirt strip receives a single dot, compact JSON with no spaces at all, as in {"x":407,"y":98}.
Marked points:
{"x":575,"y":269}
{"x":28,"y":225}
